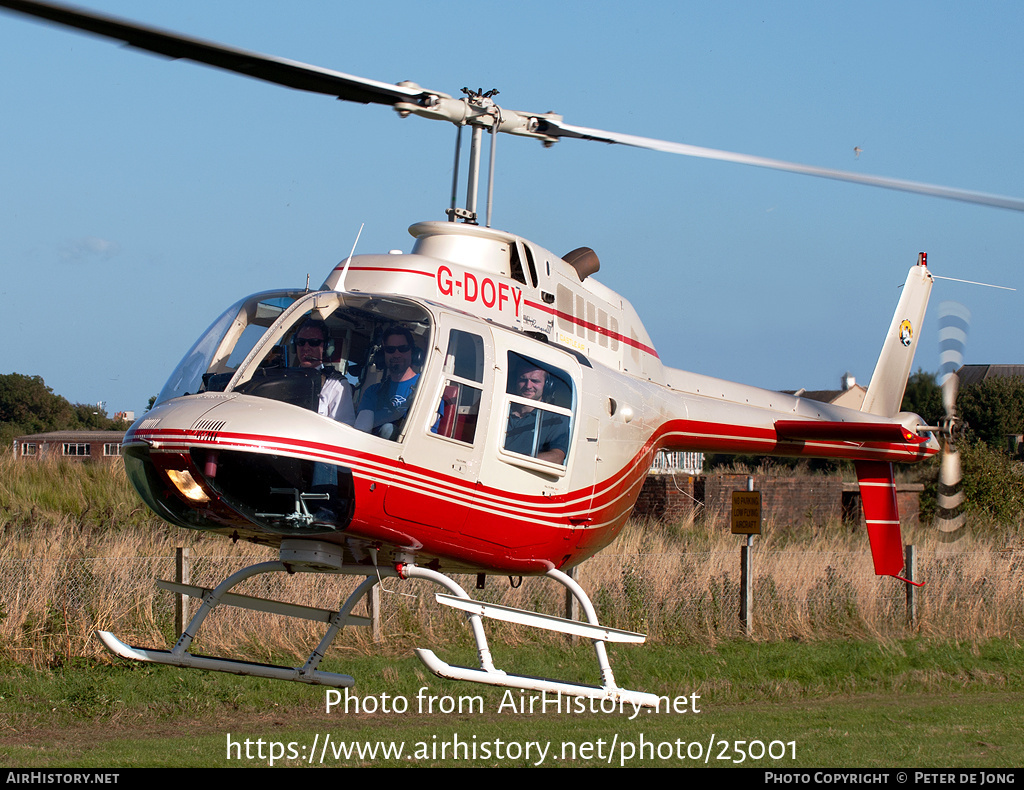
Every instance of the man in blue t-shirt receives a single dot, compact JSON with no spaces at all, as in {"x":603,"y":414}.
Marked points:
{"x":384,"y":406}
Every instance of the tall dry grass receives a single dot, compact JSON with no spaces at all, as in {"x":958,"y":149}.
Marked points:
{"x":66,"y":571}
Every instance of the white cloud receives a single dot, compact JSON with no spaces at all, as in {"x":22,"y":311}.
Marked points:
{"x":89,"y":247}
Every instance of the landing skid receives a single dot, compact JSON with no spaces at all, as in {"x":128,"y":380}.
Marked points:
{"x":305,"y":556}
{"x":489,"y":675}
{"x":183,"y":659}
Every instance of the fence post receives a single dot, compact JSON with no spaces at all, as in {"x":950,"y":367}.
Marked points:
{"x":746,"y":588}
{"x":747,"y":578}
{"x":911,"y":563}
{"x":182,"y":575}
{"x":373,"y":611}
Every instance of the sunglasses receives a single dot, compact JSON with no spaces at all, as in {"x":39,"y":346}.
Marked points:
{"x":316,"y":342}
{"x":396,"y":349}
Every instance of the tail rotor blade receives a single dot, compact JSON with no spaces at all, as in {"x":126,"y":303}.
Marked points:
{"x":954,"y":320}
{"x":950,"y":388}
{"x":950,"y":516}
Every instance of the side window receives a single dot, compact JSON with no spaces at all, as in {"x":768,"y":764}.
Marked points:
{"x":463,"y":387}
{"x":518,"y":272}
{"x":539,"y":410}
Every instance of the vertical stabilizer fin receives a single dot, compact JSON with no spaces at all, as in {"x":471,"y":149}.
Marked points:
{"x":878,"y":497}
{"x":885,"y":392}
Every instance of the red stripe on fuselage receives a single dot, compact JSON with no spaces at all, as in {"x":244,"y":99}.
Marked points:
{"x":592,"y":515}
{"x":395,"y":270}
{"x":681,"y":434}
{"x":593,"y":327}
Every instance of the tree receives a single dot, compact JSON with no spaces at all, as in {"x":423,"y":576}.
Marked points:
{"x":993,"y":409}
{"x":28,"y":406}
{"x":923,"y":396}
{"x":92,"y":418}
{"x":993,"y":483}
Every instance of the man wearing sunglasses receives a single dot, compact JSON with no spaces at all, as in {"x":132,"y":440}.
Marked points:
{"x":335,"y":402}
{"x":335,"y":391}
{"x":383,"y":406}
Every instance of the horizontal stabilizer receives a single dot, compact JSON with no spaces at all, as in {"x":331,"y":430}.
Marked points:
{"x":819,"y":430}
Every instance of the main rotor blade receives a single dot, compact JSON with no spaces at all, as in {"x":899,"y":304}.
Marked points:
{"x":434,"y":104}
{"x":282,"y":71}
{"x":554,"y":128}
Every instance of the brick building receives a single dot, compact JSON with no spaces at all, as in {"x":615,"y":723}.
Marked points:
{"x":73,"y":445}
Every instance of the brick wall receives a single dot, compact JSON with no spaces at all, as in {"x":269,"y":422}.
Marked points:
{"x":785,"y":500}
{"x":669,"y":496}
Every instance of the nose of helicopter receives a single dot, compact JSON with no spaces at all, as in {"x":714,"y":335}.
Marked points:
{"x":211,"y":462}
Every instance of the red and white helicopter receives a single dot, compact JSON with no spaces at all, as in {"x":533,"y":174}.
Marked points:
{"x":464,"y":469}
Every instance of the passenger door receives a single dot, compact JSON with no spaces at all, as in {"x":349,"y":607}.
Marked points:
{"x":444,"y":446}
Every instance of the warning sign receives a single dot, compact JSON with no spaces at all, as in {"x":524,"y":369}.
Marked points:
{"x":746,"y":512}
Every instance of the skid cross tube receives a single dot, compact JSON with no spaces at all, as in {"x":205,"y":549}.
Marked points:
{"x":220,"y":596}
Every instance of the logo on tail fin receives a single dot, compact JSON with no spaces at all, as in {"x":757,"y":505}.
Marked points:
{"x":906,"y":332}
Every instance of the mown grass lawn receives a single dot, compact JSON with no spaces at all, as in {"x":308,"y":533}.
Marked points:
{"x":901,"y":705}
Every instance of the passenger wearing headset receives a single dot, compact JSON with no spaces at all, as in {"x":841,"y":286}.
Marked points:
{"x":384,"y":406}
{"x":531,"y":431}
{"x":335,"y":391}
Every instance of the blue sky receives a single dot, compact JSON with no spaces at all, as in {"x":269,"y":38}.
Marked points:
{"x":139,"y":197}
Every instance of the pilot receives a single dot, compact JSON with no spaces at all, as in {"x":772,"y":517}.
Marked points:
{"x":521,"y":436}
{"x":335,"y":391}
{"x":336,"y":403}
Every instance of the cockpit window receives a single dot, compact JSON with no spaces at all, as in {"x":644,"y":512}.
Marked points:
{"x":391,"y":375}
{"x":356,"y":359}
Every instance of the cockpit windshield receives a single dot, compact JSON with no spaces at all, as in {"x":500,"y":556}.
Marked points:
{"x":226,"y":343}
{"x":353,"y":357}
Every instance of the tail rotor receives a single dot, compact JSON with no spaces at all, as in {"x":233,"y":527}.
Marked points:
{"x":954,"y":319}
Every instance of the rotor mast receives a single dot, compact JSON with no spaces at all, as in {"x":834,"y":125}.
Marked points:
{"x":478,"y":111}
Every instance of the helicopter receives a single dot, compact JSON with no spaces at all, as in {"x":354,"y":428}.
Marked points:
{"x":236,"y":443}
